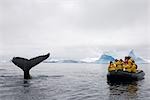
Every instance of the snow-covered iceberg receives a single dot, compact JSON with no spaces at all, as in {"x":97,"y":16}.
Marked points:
{"x":89,"y":60}
{"x":105,"y":58}
{"x":69,"y":61}
{"x":51,"y":60}
{"x":136,"y":58}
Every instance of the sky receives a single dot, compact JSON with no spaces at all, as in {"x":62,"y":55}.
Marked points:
{"x":72,"y":27}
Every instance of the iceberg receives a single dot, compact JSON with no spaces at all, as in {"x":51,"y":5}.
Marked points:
{"x":69,"y":61}
{"x":89,"y":60}
{"x":51,"y":60}
{"x":136,"y":58}
{"x":105,"y":59}
{"x":132,"y":54}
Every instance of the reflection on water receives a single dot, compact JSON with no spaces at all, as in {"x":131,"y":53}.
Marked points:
{"x":69,"y":82}
{"x":124,"y":91}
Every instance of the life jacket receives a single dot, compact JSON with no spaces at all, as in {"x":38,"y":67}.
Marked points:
{"x":127,"y":67}
{"x":134,"y":68}
{"x":111,"y":67}
{"x":119,"y":65}
{"x":130,"y":62}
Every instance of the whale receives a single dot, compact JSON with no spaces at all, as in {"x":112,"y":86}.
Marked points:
{"x":27,"y":64}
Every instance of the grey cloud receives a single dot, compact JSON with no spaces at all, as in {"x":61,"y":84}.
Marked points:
{"x":41,"y":23}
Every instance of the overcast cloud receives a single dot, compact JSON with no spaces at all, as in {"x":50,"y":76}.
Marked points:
{"x":50,"y":24}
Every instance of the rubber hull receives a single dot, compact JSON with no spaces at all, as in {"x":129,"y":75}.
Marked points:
{"x":125,"y":76}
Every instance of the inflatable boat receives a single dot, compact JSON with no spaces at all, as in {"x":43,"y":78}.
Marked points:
{"x":125,"y":76}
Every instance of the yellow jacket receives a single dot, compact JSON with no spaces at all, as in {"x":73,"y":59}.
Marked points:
{"x":127,"y":67}
{"x":130,"y":62}
{"x":133,"y":68}
{"x":119,"y":65}
{"x":111,"y":67}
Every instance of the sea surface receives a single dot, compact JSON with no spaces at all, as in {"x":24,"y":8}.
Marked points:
{"x":53,"y":81}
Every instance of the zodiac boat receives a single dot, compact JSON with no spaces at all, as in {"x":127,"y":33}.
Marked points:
{"x":125,"y":76}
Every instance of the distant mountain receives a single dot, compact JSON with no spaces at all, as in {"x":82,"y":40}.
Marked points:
{"x":69,"y":61}
{"x":61,"y":61}
{"x":51,"y":61}
{"x":88,"y":60}
{"x":136,"y":58}
{"x":105,"y":59}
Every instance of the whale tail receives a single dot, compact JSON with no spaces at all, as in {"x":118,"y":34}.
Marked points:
{"x":27,"y":64}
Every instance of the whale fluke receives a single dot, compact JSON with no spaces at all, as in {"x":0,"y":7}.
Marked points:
{"x":27,"y":64}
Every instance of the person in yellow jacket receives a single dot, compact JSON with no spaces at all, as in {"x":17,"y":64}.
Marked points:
{"x":134,"y":68}
{"x":122,"y":62}
{"x":126,"y":60}
{"x":111,"y":67}
{"x":128,"y":65}
{"x":130,"y":61}
{"x":119,"y":64}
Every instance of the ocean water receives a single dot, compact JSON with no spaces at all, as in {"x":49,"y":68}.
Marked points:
{"x":69,"y":82}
